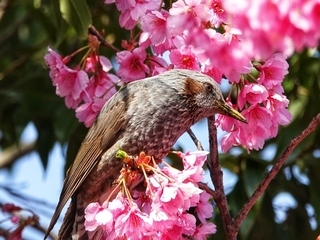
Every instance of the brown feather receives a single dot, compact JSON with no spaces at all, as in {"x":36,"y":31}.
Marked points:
{"x":100,"y":137}
{"x":192,"y":87}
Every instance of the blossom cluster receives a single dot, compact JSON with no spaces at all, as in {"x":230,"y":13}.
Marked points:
{"x":269,"y":26}
{"x":225,"y":39}
{"x":161,"y":209}
{"x":16,"y":218}
{"x":87,"y":89}
{"x":264,"y":107}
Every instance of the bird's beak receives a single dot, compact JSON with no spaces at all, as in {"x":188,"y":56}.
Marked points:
{"x":225,"y":109}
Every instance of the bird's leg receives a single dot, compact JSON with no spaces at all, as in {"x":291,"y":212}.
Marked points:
{"x":195,"y":140}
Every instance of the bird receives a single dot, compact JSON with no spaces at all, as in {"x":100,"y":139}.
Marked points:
{"x":147,"y":115}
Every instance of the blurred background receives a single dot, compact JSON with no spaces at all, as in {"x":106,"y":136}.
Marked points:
{"x":39,"y":136}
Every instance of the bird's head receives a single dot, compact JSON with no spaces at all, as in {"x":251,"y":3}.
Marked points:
{"x":206,"y":95}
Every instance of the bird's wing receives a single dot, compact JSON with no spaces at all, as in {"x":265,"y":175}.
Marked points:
{"x":100,"y":137}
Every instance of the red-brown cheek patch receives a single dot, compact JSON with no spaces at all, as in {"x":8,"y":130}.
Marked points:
{"x":192,"y":87}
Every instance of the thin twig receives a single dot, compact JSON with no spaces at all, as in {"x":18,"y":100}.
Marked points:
{"x":217,"y":180}
{"x":274,"y":170}
{"x":205,"y":187}
{"x":94,"y":32}
{"x":195,"y":140}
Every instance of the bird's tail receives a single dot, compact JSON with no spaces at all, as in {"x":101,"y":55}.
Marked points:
{"x":73,"y":223}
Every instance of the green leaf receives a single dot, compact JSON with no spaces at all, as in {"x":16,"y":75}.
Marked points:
{"x":60,"y":23}
{"x":253,"y":176}
{"x":77,"y":14}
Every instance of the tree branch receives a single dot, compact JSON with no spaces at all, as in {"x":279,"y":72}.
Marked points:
{"x":195,"y":140}
{"x":11,"y":154}
{"x":274,"y":171}
{"x":103,"y":42}
{"x":217,"y":180}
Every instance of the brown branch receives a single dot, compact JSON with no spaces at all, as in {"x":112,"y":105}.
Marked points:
{"x":11,"y":154}
{"x":95,"y":33}
{"x":195,"y":140}
{"x":205,"y":187}
{"x":217,"y":180}
{"x":274,"y":171}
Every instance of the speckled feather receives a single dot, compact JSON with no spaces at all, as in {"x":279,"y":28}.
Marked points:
{"x":147,"y":115}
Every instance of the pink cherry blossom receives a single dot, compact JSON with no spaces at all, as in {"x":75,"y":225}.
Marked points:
{"x":90,"y":216}
{"x":213,"y":72}
{"x":155,"y":24}
{"x":169,"y":199}
{"x":71,"y":102}
{"x":253,"y":94}
{"x":187,"y":222}
{"x":184,"y":58}
{"x":144,"y":6}
{"x":132,"y":223}
{"x":251,"y":135}
{"x":275,"y":26}
{"x":132,"y":10}
{"x":204,"y":209}
{"x":131,"y":65}
{"x":258,"y":129}
{"x":224,"y":122}
{"x":277,"y":104}
{"x":88,"y":111}
{"x":67,"y":81}
{"x":215,"y":51}
{"x":273,"y":71}
{"x":204,"y":230}
{"x":219,"y":14}
{"x":230,"y":139}
{"x":126,"y":21}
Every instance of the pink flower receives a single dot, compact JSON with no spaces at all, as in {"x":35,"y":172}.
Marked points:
{"x":126,"y":21}
{"x":88,"y":111}
{"x":142,"y":7}
{"x":15,"y":219}
{"x":204,"y":230}
{"x":184,"y":58}
{"x":169,"y":198}
{"x":213,"y":72}
{"x":258,"y":127}
{"x":214,"y":50}
{"x":195,"y":10}
{"x":272,"y":72}
{"x":253,"y":94}
{"x":102,"y":83}
{"x":90,"y":216}
{"x":226,"y":123}
{"x":277,"y":104}
{"x":193,"y":167}
{"x":131,"y":65}
{"x":177,"y":197}
{"x":158,"y":65}
{"x":132,"y":10}
{"x":67,"y":81}
{"x":230,"y":139}
{"x":132,"y":223}
{"x":187,"y":222}
{"x":155,"y":24}
{"x":71,"y":102}
{"x":251,"y":135}
{"x":193,"y":159}
{"x":219,"y":14}
{"x":178,"y":23}
{"x":204,"y":209}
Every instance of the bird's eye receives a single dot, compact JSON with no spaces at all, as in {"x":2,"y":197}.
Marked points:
{"x":208,"y":87}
